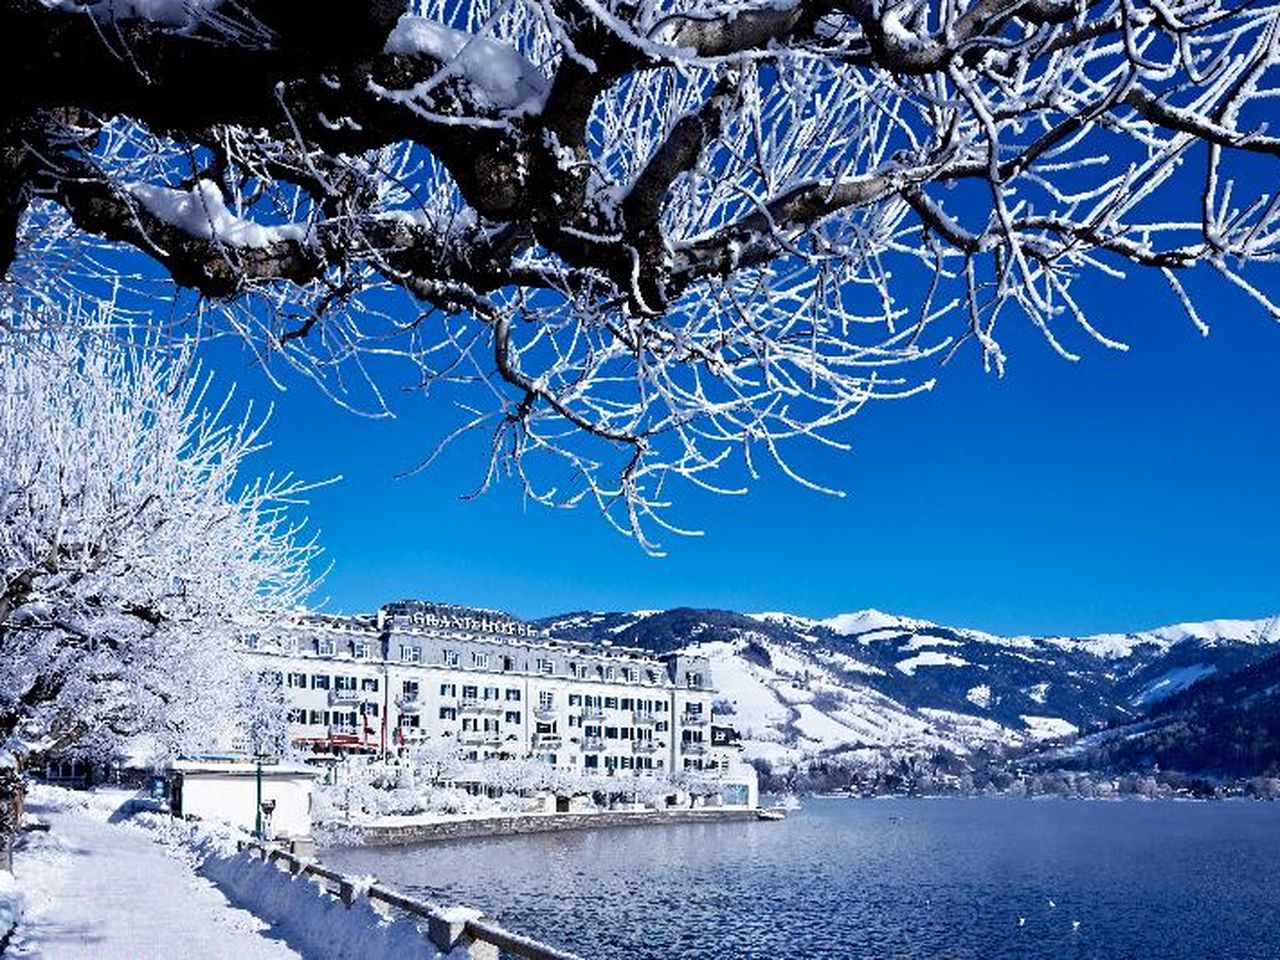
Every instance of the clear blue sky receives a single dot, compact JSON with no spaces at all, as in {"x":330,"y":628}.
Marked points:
{"x":1121,"y":492}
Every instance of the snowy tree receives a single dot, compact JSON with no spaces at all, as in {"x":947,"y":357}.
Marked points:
{"x":134,"y":556}
{"x":645,"y":238}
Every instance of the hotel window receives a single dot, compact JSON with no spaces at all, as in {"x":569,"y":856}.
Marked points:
{"x":344,"y":684}
{"x":693,"y":709}
{"x":611,"y":733}
{"x":693,"y":680}
{"x":546,"y":700}
{"x":451,"y":658}
{"x":410,"y":720}
{"x":369,"y":709}
{"x":626,"y":703}
{"x":410,"y":689}
{"x":317,"y":717}
{"x":591,"y":761}
{"x":448,"y":713}
{"x":448,"y":689}
{"x":545,"y":666}
{"x":491,"y":693}
{"x":360,"y":650}
{"x":511,"y":716}
{"x":470,"y":693}
{"x":297,"y":716}
{"x":298,"y":680}
{"x":410,"y":654}
{"x":574,"y":721}
{"x":480,"y":660}
{"x":611,"y":703}
{"x":319,"y":681}
{"x":513,"y":694}
{"x":508,"y":663}
{"x":575,"y":699}
{"x":629,"y":674}
{"x":369,"y":684}
{"x":651,"y":676}
{"x":660,"y":726}
{"x":608,"y":673}
{"x":324,"y":648}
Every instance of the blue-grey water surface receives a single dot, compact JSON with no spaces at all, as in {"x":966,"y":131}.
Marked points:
{"x":894,"y":878}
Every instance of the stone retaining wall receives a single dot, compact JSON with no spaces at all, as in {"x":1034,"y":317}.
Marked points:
{"x":542,"y":823}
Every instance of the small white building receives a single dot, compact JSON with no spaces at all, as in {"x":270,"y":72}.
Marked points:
{"x":231,"y":790}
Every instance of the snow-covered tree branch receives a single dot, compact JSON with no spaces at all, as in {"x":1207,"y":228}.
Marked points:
{"x":134,"y":556}
{"x":649,"y":238}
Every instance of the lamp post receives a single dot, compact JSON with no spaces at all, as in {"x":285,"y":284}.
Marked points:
{"x":257,"y":807}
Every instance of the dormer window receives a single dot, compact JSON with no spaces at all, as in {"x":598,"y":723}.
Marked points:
{"x":324,"y":648}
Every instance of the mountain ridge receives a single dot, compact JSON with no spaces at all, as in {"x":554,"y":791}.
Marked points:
{"x":869,"y":687}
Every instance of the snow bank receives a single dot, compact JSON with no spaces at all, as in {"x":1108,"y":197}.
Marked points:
{"x":10,"y":904}
{"x":314,"y":920}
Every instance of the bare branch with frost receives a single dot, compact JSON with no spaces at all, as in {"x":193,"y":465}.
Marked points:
{"x":643,"y":240}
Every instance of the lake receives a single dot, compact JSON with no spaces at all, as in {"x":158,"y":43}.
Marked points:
{"x":892,"y":878}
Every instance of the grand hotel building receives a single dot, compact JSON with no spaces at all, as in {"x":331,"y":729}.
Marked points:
{"x":418,"y":670}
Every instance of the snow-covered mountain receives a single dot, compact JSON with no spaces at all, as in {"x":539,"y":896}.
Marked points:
{"x":801,"y":689}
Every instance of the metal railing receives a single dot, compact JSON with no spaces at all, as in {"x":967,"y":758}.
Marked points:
{"x":447,"y":930}
{"x":643,"y":718}
{"x":644,"y":746}
{"x":592,"y":744}
{"x":693,"y":747}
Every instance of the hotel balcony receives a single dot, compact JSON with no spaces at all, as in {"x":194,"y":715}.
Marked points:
{"x":693,"y":748}
{"x":644,"y":746}
{"x":592,"y":713}
{"x":643,"y":718}
{"x":411,"y":704}
{"x":474,"y":705}
{"x":694,"y":719}
{"x":547,"y":741}
{"x":472,"y":738}
{"x":546,"y":713}
{"x":592,"y":744}
{"x":344,"y":696}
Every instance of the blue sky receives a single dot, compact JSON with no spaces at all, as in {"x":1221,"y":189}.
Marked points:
{"x":1125,"y":491}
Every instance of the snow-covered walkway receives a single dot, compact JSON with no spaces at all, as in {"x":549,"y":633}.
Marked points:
{"x":97,"y":890}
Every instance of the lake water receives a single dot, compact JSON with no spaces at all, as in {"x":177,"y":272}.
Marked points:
{"x":978,"y":878}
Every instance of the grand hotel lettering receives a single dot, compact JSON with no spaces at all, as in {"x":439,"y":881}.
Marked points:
{"x":510,"y":627}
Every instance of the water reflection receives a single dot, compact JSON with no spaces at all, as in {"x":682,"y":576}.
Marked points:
{"x":889,"y":878}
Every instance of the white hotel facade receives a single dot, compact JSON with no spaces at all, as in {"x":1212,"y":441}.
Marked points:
{"x":416,"y":671}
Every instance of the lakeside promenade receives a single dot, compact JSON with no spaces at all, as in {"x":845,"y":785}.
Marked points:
{"x":95,"y":890}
